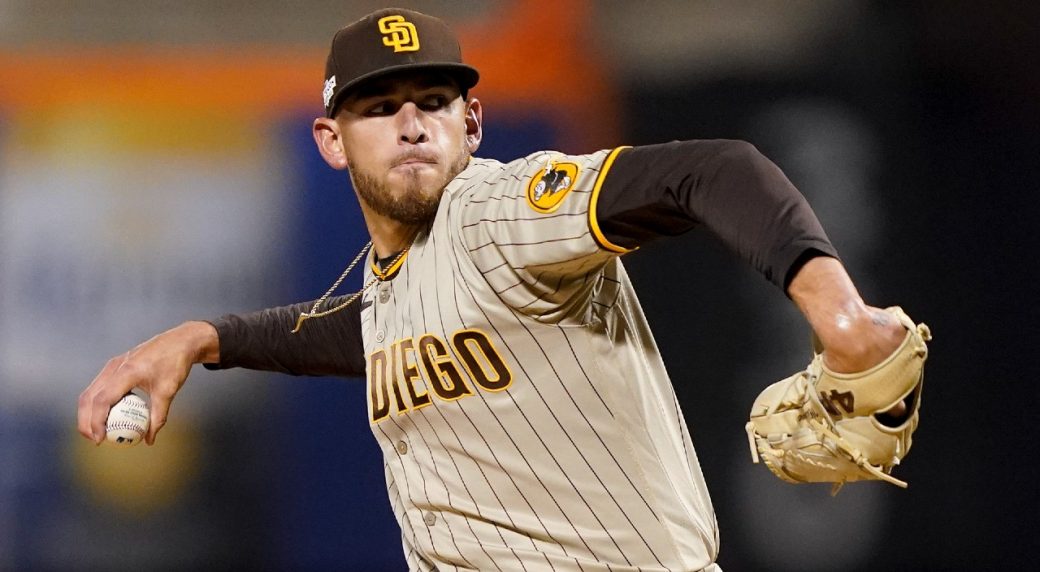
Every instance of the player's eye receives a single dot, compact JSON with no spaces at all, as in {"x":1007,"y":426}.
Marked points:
{"x":381,"y":108}
{"x":434,"y":102}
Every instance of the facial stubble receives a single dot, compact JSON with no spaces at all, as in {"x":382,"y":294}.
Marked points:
{"x":417,"y":204}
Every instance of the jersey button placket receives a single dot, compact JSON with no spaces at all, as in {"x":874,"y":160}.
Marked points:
{"x":402,"y":447}
{"x":430,"y":519}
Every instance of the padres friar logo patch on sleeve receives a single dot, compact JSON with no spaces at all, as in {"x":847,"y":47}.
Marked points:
{"x":399,"y":34}
{"x":549,"y":186}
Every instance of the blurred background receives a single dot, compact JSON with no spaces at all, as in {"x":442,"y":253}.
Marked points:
{"x":156,"y":165}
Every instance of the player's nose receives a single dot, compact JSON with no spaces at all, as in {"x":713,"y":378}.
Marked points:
{"x":410,"y":124}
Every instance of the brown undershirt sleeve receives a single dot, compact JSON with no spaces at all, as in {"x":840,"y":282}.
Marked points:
{"x":264,"y":340}
{"x":728,"y":187}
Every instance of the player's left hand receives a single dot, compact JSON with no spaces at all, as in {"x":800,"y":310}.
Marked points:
{"x":822,"y":425}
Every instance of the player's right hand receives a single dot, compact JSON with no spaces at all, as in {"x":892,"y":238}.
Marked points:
{"x":159,"y":367}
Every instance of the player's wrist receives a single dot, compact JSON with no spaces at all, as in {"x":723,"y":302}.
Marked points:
{"x":861,"y":340}
{"x":855,"y":336}
{"x":199,"y":340}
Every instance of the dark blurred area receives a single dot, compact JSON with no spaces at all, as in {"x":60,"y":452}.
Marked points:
{"x":910,"y":127}
{"x":943,"y":99}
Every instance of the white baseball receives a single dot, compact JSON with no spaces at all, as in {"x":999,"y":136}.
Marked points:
{"x":127,"y":421}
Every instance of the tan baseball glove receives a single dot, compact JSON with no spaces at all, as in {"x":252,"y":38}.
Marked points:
{"x":820,"y":426}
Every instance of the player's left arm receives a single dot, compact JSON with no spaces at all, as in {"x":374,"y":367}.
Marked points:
{"x":745,"y":200}
{"x":851,"y":414}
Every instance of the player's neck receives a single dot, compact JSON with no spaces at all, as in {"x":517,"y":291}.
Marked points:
{"x":389,"y":236}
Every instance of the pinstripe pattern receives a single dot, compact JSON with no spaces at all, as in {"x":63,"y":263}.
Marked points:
{"x":525,"y":417}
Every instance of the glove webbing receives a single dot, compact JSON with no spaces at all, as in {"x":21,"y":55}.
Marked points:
{"x":825,"y":426}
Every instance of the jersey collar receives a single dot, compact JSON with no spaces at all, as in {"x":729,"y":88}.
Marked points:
{"x":391,"y":271}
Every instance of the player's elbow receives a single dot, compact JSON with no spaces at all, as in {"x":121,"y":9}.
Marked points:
{"x":739,"y":153}
{"x":737,"y":160}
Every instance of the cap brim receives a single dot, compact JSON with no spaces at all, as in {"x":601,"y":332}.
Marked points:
{"x":465,"y":75}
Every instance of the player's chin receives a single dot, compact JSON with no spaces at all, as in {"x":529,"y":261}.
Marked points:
{"x":421,"y":186}
{"x":414,"y":210}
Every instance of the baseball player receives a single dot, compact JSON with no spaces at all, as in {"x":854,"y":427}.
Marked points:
{"x":524,"y":414}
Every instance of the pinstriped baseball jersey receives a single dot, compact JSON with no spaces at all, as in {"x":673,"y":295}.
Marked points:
{"x":524,"y":414}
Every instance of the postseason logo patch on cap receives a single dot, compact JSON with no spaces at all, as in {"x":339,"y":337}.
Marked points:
{"x":330,"y":86}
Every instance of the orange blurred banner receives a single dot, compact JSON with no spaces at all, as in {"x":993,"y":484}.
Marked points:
{"x":531,"y":54}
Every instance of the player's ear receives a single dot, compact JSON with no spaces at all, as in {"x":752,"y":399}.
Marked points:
{"x":329,"y":139}
{"x":474,"y":124}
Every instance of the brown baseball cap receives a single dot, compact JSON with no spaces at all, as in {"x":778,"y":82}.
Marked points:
{"x":387,"y":41}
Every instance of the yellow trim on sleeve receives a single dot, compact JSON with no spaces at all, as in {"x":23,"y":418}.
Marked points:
{"x":597,"y":233}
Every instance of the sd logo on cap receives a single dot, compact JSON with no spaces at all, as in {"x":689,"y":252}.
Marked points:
{"x":399,"y":33}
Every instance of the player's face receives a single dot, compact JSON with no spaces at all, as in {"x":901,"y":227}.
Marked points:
{"x":405,"y":138}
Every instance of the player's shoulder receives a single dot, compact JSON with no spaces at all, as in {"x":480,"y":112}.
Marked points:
{"x":482,"y":169}
{"x":483,"y":173}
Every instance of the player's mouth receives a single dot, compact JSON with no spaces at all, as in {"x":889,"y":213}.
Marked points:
{"x":413,"y":160}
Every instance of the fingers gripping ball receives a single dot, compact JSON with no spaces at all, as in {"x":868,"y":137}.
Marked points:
{"x":822,"y":426}
{"x":127,"y":421}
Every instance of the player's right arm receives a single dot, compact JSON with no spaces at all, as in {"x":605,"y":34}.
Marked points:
{"x":260,"y":340}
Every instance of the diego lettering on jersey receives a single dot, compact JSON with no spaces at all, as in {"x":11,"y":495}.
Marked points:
{"x":395,"y":381}
{"x":550,"y":186}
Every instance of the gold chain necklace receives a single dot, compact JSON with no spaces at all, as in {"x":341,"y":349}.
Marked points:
{"x":314,"y":313}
